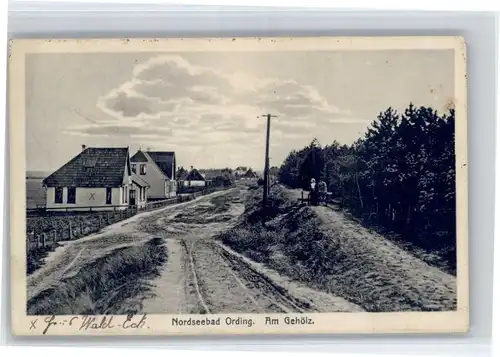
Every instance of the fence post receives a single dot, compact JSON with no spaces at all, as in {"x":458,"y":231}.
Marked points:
{"x":70,"y":231}
{"x":43,"y":240}
{"x":81,"y":228}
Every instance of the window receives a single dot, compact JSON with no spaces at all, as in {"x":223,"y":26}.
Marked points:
{"x":143,"y":169}
{"x":134,"y":168}
{"x":108,"y":195}
{"x":71,"y":194}
{"x":58,"y":195}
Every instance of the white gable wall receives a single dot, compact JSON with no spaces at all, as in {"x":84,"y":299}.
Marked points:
{"x":154,"y":177}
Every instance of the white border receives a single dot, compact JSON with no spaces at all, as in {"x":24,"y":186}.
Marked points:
{"x":371,"y":348}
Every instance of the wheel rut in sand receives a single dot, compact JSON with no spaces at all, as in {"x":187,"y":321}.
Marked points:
{"x":227,"y":286}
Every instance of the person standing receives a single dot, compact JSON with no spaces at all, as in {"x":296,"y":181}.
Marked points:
{"x":322,"y":188}
{"x":313,"y":195}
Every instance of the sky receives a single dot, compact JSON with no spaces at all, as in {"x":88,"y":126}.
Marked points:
{"x":207,"y":106}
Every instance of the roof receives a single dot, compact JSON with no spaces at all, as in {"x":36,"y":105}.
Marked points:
{"x":139,"y":181}
{"x":250,"y":173}
{"x":93,"y":167}
{"x":183,"y":175}
{"x":210,"y":174}
{"x":165,"y":160}
{"x":139,"y":157}
{"x":194,"y":175}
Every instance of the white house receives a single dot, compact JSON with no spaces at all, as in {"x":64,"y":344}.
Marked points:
{"x":250,"y":175}
{"x":194,"y":179}
{"x":95,"y":179}
{"x":157,"y":168}
{"x":240,"y":170}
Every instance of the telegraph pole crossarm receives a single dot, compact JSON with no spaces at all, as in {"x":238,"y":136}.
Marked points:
{"x":266,"y":163}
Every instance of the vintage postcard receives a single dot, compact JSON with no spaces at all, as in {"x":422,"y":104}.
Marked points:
{"x":238,"y":186}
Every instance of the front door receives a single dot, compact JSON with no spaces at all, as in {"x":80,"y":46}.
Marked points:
{"x":132,"y":198}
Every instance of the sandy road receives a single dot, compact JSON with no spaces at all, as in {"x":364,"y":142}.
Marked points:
{"x":200,"y":274}
{"x":203,"y":276}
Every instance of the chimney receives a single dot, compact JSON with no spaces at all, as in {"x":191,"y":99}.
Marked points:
{"x":84,"y":147}
{"x":191,"y":167}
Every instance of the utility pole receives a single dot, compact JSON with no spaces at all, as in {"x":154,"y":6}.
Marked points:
{"x":266,"y":162}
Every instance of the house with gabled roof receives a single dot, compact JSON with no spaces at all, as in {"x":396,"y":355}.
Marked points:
{"x":250,"y":174}
{"x":157,"y":168}
{"x":95,"y":179}
{"x":194,"y":179}
{"x":240,"y":170}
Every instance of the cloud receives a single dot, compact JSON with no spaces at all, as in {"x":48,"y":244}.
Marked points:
{"x":129,"y":106}
{"x":171,"y":103}
{"x":118,"y":130}
{"x":169,"y":84}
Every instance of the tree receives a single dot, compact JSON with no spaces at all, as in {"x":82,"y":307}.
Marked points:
{"x":400,"y":176}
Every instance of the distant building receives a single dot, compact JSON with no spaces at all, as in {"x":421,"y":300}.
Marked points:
{"x":95,"y":179}
{"x":191,"y":181}
{"x":218,"y":177}
{"x":240,"y":171}
{"x":194,"y":179}
{"x":157,"y":168}
{"x":249,"y":175}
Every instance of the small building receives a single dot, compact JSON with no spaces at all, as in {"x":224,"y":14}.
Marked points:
{"x":194,"y":179}
{"x":95,"y":179}
{"x":218,"y":177}
{"x":250,"y":175}
{"x":240,"y":171}
{"x":157,"y":168}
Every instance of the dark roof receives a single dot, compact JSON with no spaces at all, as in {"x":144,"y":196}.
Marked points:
{"x":139,"y":157}
{"x":183,"y":175}
{"x":194,"y":175}
{"x":140,"y":181}
{"x":165,"y":160}
{"x":250,"y":174}
{"x":93,"y":167}
{"x":213,"y":173}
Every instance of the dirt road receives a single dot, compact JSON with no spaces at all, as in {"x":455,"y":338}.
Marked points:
{"x":200,"y":275}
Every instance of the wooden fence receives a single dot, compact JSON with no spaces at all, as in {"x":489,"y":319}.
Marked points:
{"x":74,"y":230}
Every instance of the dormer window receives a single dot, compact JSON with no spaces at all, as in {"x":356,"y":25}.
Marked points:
{"x":143,"y":169}
{"x":134,"y":168}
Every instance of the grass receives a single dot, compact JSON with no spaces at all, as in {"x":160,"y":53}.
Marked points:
{"x":60,"y":222}
{"x":35,"y":258}
{"x":103,"y":286}
{"x":335,"y":254}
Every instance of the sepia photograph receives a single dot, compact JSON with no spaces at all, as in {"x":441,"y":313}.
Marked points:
{"x":248,"y":179}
